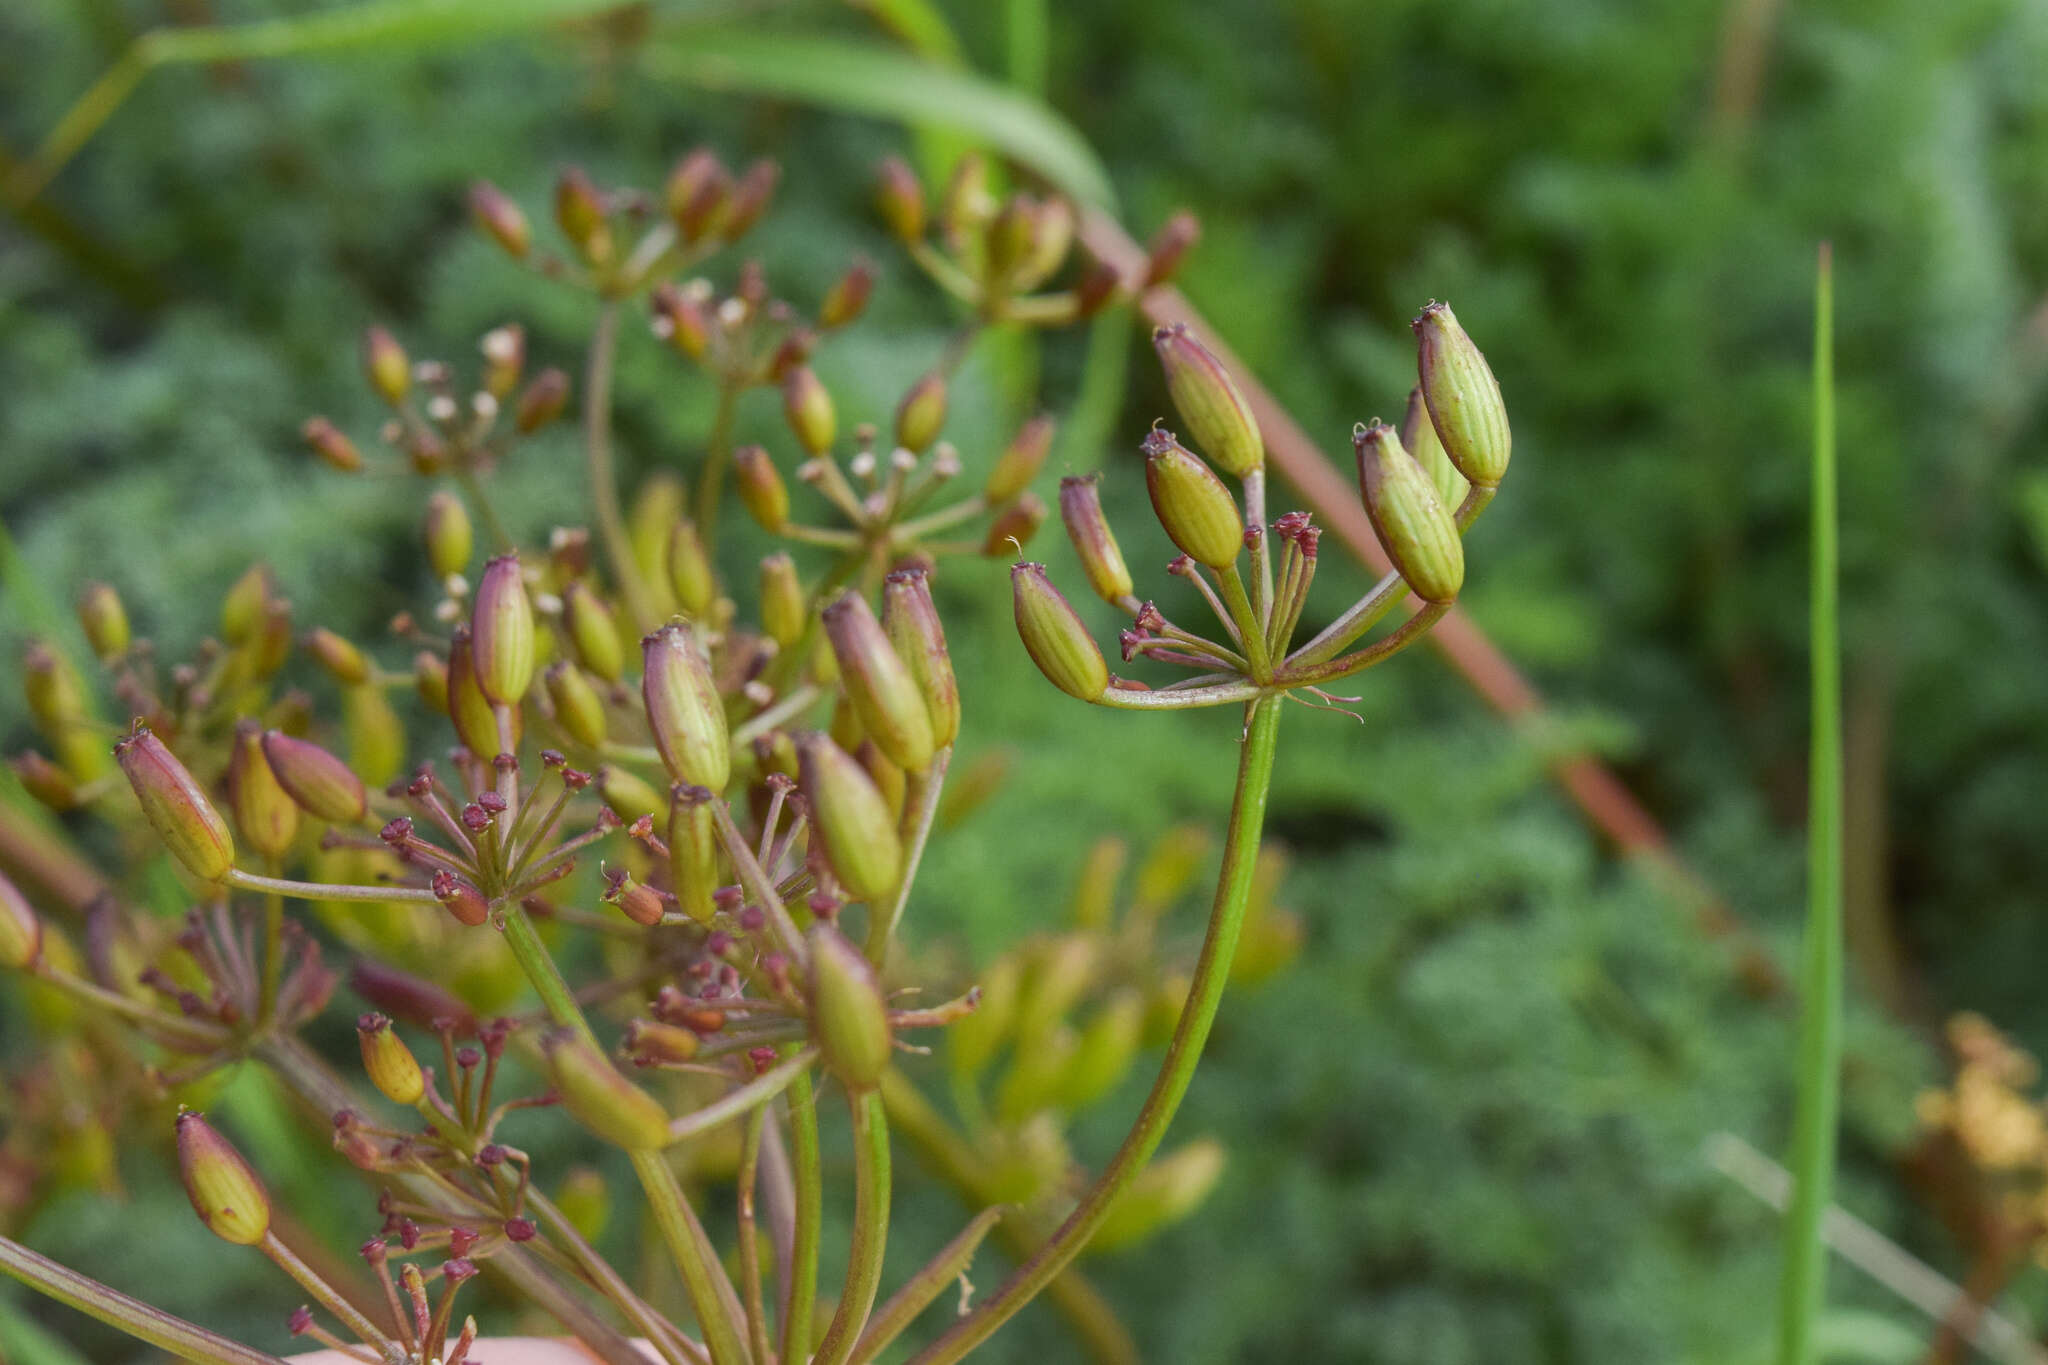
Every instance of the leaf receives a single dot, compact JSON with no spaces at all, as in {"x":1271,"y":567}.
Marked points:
{"x":865,"y":78}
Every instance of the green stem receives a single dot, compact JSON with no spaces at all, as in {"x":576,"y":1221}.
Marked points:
{"x":870,"y":1229}
{"x":597,"y":455}
{"x":273,"y":954}
{"x":1251,"y":628}
{"x":800,"y":1295}
{"x":1803,"y":1287}
{"x":1378,"y":652}
{"x":920,"y":1289}
{"x":1205,"y":995}
{"x":473,"y":487}
{"x":717,"y":455}
{"x":607,"y":1280}
{"x":344,"y":1311}
{"x":920,"y":809}
{"x":753,"y":1095}
{"x":326,"y":891}
{"x":708,"y":1289}
{"x":185,"y":1340}
{"x":749,"y":1238}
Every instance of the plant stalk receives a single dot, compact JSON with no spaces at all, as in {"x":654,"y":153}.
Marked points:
{"x":871,"y":1172}
{"x":597,"y":455}
{"x":185,"y":1340}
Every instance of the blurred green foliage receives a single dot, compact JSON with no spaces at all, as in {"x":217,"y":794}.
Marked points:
{"x":1465,"y":1127}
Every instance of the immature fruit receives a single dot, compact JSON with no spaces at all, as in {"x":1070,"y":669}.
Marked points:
{"x":900,"y":198}
{"x":849,"y":1018}
{"x":501,"y":632}
{"x":264,"y":811}
{"x":922,"y":413}
{"x":761,"y":489}
{"x":223,"y":1188}
{"x":1094,"y":543}
{"x":602,"y":1100}
{"x":1055,"y":636}
{"x":852,"y":819}
{"x":911,"y":621}
{"x":1020,"y":461}
{"x":1418,"y":436}
{"x":499,"y":218}
{"x":542,"y":401}
{"x":1196,"y":509}
{"x":21,"y":932}
{"x":324,"y":787}
{"x":684,"y":710}
{"x":783,"y":608}
{"x":104,"y":620}
{"x":593,"y":632}
{"x":693,"y":851}
{"x":388,"y":1062}
{"x":1418,"y":535}
{"x":385,"y":362}
{"x":175,"y":807}
{"x":884,"y":694}
{"x":808,"y":408}
{"x":1464,"y":398}
{"x":689,"y":567}
{"x":1212,"y":410}
{"x":448,"y":534}
{"x":578,"y":708}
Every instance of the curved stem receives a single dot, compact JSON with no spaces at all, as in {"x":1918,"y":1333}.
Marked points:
{"x":749,"y":1237}
{"x":800,"y":1295}
{"x":185,"y":1340}
{"x":1379,"y":651}
{"x":329,"y":1298}
{"x":1212,"y":973}
{"x":752,"y":1095}
{"x":1360,"y":617}
{"x":870,"y":1229}
{"x":326,"y":891}
{"x":597,"y":456}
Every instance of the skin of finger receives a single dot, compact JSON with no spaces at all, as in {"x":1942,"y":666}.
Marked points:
{"x":496,"y":1351}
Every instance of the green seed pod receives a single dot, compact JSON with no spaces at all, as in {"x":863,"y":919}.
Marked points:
{"x":1464,"y":398}
{"x":657,"y":507}
{"x":808,"y":409}
{"x":1214,"y":413}
{"x":973,"y":1042}
{"x":448,"y":534}
{"x":1095,"y":887}
{"x":884,"y":693}
{"x":602,"y":1100}
{"x":1052,"y":236}
{"x":376,"y":736}
{"x":783,"y":608}
{"x":1035,"y":1073}
{"x":385,"y":362}
{"x":750,"y":199}
{"x":683,"y":319}
{"x":1164,"y":1193}
{"x":342,"y":660}
{"x":696,"y":194}
{"x":501,"y":632}
{"x":175,"y":807}
{"x":242,"y":610}
{"x":911,"y":621}
{"x":684,"y":710}
{"x":689,"y":569}
{"x":580,"y":213}
{"x":21,"y":933}
{"x":45,"y":781}
{"x":1103,"y":1057}
{"x":334,"y":448}
{"x":388,"y":1062}
{"x":542,"y":401}
{"x":264,"y":812}
{"x":1196,"y":509}
{"x":900,"y":199}
{"x":851,"y":818}
{"x":325,"y":787}
{"x":628,"y":794}
{"x":104,"y":620}
{"x":578,"y":708}
{"x":849,"y":1018}
{"x":1413,"y":527}
{"x":1014,"y":526}
{"x":966,"y":206}
{"x":1020,"y":461}
{"x":585,"y":1201}
{"x":475,"y":719}
{"x":430,"y":680}
{"x":1061,"y":972}
{"x":922,"y":414}
{"x":761,"y":489}
{"x":224,"y":1189}
{"x":55,"y":697}
{"x":1419,"y":438}
{"x":593,"y":632}
{"x":848,"y":297}
{"x":648,"y":1042}
{"x":889,"y":778}
{"x":1055,"y":636}
{"x":1006,"y":241}
{"x":500,"y":219}
{"x":693,"y":851}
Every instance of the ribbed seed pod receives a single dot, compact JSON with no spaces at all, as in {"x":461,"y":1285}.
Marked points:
{"x":1196,"y":509}
{"x":475,"y":719}
{"x":388,"y":1062}
{"x":808,"y":408}
{"x":264,"y":812}
{"x":684,"y":711}
{"x":1464,"y":398}
{"x":1020,"y":461}
{"x":900,"y":198}
{"x":1419,"y":438}
{"x":21,"y":932}
{"x":224,"y":1189}
{"x":449,"y":536}
{"x":501,"y":632}
{"x":104,"y":620}
{"x":849,"y":1018}
{"x":851,"y":818}
{"x":761,"y":489}
{"x":784,"y":611}
{"x":911,"y":621}
{"x":324,"y":786}
{"x":593,"y":632}
{"x":1418,"y":535}
{"x":1055,"y":636}
{"x":499,"y":218}
{"x":693,"y":851}
{"x":884,"y":694}
{"x":922,"y":414}
{"x":602,"y":1100}
{"x":1215,"y":415}
{"x":578,"y":708}
{"x":1094,"y":543}
{"x":689,"y":569}
{"x":175,"y":807}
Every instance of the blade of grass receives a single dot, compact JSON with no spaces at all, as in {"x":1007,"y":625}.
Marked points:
{"x":1804,"y":1281}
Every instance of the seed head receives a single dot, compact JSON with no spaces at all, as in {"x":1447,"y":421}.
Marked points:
{"x":1418,"y":535}
{"x":1212,"y":410}
{"x":884,"y":694}
{"x":852,"y":819}
{"x":1196,"y":509}
{"x":175,"y":807}
{"x":601,"y":1099}
{"x":224,"y":1189}
{"x":849,"y":1018}
{"x":1464,"y":398}
{"x":684,"y":711}
{"x":1055,"y":636}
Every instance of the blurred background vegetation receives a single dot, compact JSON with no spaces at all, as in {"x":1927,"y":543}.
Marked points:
{"x":1466,"y":1127}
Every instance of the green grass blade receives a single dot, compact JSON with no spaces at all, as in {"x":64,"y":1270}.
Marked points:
{"x":866,"y":78}
{"x":1804,"y":1282}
